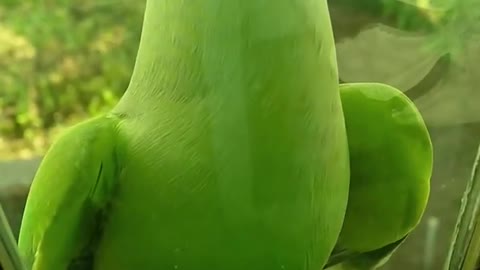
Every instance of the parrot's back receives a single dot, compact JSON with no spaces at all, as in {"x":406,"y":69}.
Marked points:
{"x":205,"y":190}
{"x":230,"y":143}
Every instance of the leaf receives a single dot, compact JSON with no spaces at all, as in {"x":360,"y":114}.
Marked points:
{"x":456,"y":98}
{"x":439,"y":70}
{"x":385,"y":54}
{"x":465,"y":247}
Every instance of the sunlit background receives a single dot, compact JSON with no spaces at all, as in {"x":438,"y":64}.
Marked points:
{"x":62,"y":61}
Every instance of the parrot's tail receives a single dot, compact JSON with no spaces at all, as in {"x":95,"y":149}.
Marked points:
{"x":9,"y":256}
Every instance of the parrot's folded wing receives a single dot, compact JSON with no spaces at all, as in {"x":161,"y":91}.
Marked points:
{"x":65,"y":208}
{"x":391,"y":161}
{"x":363,"y":261}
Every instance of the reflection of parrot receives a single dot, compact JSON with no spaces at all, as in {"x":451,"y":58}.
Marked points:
{"x":227,"y":151}
{"x":391,"y":164}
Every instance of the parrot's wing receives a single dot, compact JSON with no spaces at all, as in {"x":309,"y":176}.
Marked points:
{"x":391,"y":161}
{"x":363,"y":261}
{"x":68,"y":198}
{"x":9,"y":256}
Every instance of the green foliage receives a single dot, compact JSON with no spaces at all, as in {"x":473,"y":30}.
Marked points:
{"x":62,"y":60}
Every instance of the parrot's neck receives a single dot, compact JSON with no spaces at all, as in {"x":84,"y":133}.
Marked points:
{"x":191,"y":49}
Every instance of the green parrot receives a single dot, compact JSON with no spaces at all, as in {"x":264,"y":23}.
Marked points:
{"x":228,"y":150}
{"x":367,"y":241}
{"x":391,"y":162}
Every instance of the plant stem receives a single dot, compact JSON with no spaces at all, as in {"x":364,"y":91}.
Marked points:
{"x":465,"y":248}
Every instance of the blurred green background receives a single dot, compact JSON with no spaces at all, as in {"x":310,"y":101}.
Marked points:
{"x":62,"y":61}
